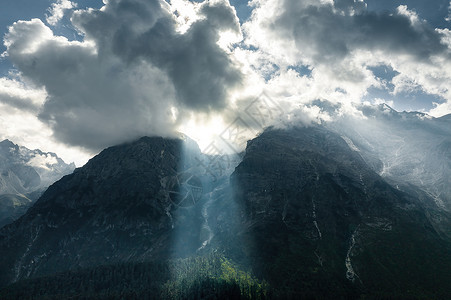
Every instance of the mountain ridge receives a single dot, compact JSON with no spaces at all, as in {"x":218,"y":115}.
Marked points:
{"x":303,"y":210}
{"x":326,"y":229}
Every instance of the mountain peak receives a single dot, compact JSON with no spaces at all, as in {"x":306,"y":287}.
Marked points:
{"x":7,"y":144}
{"x":126,"y":192}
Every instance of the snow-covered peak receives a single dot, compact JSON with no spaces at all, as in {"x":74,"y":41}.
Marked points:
{"x":18,"y":163}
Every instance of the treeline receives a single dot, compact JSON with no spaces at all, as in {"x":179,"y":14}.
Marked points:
{"x":206,"y":277}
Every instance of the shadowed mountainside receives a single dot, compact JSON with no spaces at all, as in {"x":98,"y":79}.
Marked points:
{"x":303,"y":210}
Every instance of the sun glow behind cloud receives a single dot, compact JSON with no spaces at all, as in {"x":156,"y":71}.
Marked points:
{"x":185,"y":12}
{"x":204,"y":130}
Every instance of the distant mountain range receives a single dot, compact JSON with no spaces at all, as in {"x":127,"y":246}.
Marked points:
{"x":354,"y":208}
{"x":24,"y":175}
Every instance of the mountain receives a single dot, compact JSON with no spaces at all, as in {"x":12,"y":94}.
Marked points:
{"x":315,"y":220}
{"x":118,"y":207}
{"x":302,"y":211}
{"x":24,"y":175}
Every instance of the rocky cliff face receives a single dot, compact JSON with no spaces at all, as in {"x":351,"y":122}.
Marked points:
{"x":24,"y":175}
{"x":315,"y":218}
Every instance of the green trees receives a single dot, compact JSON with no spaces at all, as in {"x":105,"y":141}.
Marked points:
{"x":204,"y":277}
{"x":212,"y":277}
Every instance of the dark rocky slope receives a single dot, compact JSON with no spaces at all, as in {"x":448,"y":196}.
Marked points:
{"x":114,"y":209}
{"x":317,"y":221}
{"x":303,"y":210}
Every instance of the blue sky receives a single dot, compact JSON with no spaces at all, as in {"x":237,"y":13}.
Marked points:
{"x":75,"y":78}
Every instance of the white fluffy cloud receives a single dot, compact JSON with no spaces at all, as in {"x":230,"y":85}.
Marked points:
{"x":149,"y":67}
{"x":58,"y":9}
{"x":131,"y":73}
{"x":18,"y":95}
{"x":42,"y":161}
{"x":340,"y":41}
{"x":20,"y":102}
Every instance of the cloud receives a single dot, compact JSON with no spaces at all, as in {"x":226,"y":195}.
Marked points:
{"x":133,"y":74}
{"x":340,"y":41}
{"x":24,"y":128}
{"x":329,"y":33}
{"x":448,"y":18}
{"x":44,"y":160}
{"x":20,"y":102}
{"x":135,"y":31}
{"x":58,"y":9}
{"x":149,"y":67}
{"x":21,"y":96}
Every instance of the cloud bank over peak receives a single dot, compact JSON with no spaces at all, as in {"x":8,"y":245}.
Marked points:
{"x":133,"y":74}
{"x":153,"y":67}
{"x":341,"y":42}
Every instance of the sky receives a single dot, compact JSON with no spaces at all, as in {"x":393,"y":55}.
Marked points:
{"x":79,"y":76}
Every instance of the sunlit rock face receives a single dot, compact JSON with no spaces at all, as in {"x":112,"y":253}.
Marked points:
{"x":316,"y":218}
{"x":24,"y":175}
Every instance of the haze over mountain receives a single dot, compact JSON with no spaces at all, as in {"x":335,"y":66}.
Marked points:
{"x":407,"y":148}
{"x":324,"y":210}
{"x":24,"y":175}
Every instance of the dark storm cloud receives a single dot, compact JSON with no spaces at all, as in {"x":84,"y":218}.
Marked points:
{"x":201,"y":72}
{"x":18,"y":103}
{"x":93,"y":101}
{"x":397,"y":34}
{"x":130,"y":72}
{"x":328,"y":36}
